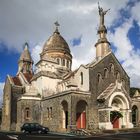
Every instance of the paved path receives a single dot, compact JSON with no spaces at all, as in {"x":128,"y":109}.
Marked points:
{"x":126,"y":136}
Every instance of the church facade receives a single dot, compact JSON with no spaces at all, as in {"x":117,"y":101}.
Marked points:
{"x":95,"y":95}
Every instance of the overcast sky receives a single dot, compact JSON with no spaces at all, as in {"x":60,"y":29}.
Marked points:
{"x":32,"y":21}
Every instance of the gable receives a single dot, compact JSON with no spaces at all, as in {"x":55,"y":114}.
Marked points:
{"x":110,"y":59}
{"x":7,"y":86}
{"x":116,"y":61}
{"x":102,"y":74}
{"x":16,"y":81}
{"x":24,"y":78}
{"x":28,"y":76}
{"x":133,"y":91}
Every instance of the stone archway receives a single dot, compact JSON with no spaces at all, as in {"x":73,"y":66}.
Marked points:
{"x":135,"y":115}
{"x":116,"y":114}
{"x":64,"y":114}
{"x":119,"y":115}
{"x":81,"y":114}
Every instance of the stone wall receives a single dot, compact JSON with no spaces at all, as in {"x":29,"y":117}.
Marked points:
{"x":9,"y":110}
{"x":15,"y":94}
{"x":34,"y":112}
{"x":6,"y":108}
{"x":104,"y":116}
{"x":55,"y":122}
{"x":44,"y":83}
{"x":85,"y":76}
{"x":97,"y":87}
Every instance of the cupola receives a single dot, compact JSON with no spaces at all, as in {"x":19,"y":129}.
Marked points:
{"x":25,"y":61}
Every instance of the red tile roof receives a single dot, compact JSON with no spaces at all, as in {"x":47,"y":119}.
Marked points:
{"x":16,"y":81}
{"x":28,"y":76}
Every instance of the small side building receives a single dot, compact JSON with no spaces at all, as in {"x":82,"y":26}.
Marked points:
{"x":135,"y":95}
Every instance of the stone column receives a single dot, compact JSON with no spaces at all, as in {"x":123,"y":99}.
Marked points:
{"x":71,"y":114}
{"x":130,"y":125}
{"x":104,"y":119}
{"x":19,"y":116}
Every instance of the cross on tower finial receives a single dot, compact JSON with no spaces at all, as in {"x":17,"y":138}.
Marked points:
{"x":25,"y":46}
{"x":57,"y":25}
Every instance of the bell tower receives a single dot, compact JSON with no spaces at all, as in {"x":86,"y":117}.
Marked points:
{"x":102,"y":45}
{"x":25,"y":62}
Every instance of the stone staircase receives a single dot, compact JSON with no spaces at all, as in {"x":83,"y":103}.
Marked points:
{"x":80,"y":132}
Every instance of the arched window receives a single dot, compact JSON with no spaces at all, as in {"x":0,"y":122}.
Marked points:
{"x":81,"y":76}
{"x":112,"y":68}
{"x":123,"y":82}
{"x":50,"y":112}
{"x":27,"y":113}
{"x":58,"y":61}
{"x":135,"y":115}
{"x":28,"y":67}
{"x":67,"y":63}
{"x":105,"y":73}
{"x":99,"y":77}
{"x":63,"y":62}
{"x":118,"y":76}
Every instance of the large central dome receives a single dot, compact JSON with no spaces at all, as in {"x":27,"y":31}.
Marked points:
{"x":57,"y":48}
{"x":56,"y":43}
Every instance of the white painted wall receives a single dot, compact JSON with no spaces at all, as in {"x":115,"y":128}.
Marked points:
{"x":46,"y":85}
{"x":77,"y":78}
{"x":46,"y":66}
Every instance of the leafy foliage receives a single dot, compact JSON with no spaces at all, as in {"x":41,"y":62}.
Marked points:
{"x":114,"y":115}
{"x":133,"y":90}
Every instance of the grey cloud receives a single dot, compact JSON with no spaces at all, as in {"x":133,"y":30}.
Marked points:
{"x":1,"y":92}
{"x":30,"y":20}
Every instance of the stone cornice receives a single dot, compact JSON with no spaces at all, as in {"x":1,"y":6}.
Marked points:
{"x":77,"y":92}
{"x":47,"y":74}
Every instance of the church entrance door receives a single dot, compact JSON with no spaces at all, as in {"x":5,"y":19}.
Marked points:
{"x":119,"y":113}
{"x":114,"y":118}
{"x":116,"y":123}
{"x":135,"y":115}
{"x":81,"y":115}
{"x":81,"y":120}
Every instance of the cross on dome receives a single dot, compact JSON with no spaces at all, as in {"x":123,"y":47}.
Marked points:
{"x":57,"y":25}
